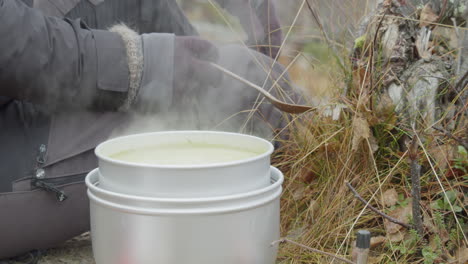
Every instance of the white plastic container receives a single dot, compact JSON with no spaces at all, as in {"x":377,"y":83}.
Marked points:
{"x":177,"y":181}
{"x":234,"y":229}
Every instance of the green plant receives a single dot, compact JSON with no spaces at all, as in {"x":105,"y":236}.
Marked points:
{"x":450,"y":197}
{"x":439,"y":220}
{"x":408,"y":246}
{"x":318,"y":50}
{"x":429,"y":255}
{"x":461,"y":162}
{"x":359,"y":42}
{"x":455,"y":235}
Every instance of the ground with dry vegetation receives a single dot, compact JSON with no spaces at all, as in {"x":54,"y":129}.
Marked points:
{"x":399,"y":142}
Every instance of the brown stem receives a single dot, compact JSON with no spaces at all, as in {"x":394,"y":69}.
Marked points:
{"x":322,"y":30}
{"x":442,"y":12}
{"x":416,"y":185}
{"x":389,"y":218}
{"x":450,"y":135}
{"x":319,"y":22}
{"x":282,"y":240}
{"x":371,"y":57}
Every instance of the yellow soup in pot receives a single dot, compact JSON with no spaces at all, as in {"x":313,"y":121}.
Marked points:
{"x":186,"y":154}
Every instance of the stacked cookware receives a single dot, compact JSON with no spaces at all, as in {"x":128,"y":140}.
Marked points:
{"x":211,"y":213}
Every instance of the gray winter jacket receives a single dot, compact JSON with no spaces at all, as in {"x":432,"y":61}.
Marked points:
{"x":58,"y":94}
{"x":61,"y":84}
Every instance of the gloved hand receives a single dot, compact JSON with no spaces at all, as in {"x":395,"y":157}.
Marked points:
{"x":192,"y":72}
{"x":229,"y":106}
{"x":175,"y":68}
{"x":263,"y":28}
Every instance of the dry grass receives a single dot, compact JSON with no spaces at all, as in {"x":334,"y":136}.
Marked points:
{"x":366,"y":148}
{"x":317,"y":210}
{"x":75,"y":251}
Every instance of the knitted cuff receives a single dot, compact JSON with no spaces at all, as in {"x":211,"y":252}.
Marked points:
{"x":133,"y":45}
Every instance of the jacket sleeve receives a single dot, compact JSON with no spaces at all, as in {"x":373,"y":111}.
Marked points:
{"x":59,"y":62}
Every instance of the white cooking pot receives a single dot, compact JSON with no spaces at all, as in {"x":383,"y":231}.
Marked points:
{"x":233,"y":229}
{"x":186,"y":180}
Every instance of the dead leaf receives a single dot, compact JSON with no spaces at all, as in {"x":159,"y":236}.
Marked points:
{"x":361,"y":81}
{"x":385,"y":110}
{"x":433,"y":243}
{"x":427,"y":16}
{"x":396,"y":237}
{"x":442,"y":155}
{"x":298,"y":192}
{"x":377,"y":241}
{"x":308,"y":175}
{"x":462,"y":255}
{"x":390,"y":197}
{"x":313,"y":208}
{"x":403,"y":214}
{"x":373,"y":143}
{"x":444,"y":235}
{"x":428,"y":224}
{"x":361,"y":131}
{"x":374,"y":260}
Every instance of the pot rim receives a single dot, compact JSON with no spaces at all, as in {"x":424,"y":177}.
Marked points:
{"x":214,"y":210}
{"x":92,"y":186}
{"x":105,"y":158}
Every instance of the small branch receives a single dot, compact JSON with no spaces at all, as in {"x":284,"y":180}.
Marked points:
{"x":319,"y":22}
{"x":416,"y":186}
{"x":389,"y":218}
{"x":450,"y":135}
{"x":442,"y":12}
{"x":371,"y":57}
{"x":282,"y":240}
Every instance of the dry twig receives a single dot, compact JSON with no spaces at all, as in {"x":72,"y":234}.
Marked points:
{"x":371,"y":57}
{"x":450,"y":135}
{"x":319,"y":22}
{"x":367,"y":204}
{"x":312,"y":249}
{"x":442,"y":12}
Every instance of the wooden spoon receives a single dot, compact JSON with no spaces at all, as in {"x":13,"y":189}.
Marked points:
{"x":288,"y":108}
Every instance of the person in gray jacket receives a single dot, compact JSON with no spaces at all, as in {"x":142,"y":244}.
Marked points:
{"x":66,"y":83}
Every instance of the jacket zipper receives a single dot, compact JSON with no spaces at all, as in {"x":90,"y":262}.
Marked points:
{"x":49,"y":185}
{"x":59,"y":194}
